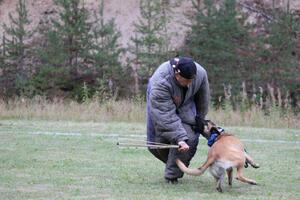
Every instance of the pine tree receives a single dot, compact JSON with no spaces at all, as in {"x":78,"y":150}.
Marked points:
{"x":149,"y":43}
{"x":14,"y":50}
{"x":1,"y":58}
{"x":79,"y":51}
{"x":277,"y":57}
{"x":64,"y":49}
{"x":73,"y":29}
{"x":17,"y":32}
{"x":106,"y":51}
{"x":215,"y":38}
{"x":2,"y":52}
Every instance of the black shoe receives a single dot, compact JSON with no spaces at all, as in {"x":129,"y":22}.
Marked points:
{"x":171,"y":180}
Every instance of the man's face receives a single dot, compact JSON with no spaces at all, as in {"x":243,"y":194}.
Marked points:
{"x":184,"y":82}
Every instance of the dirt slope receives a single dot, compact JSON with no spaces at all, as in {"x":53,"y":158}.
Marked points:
{"x":126,"y":12}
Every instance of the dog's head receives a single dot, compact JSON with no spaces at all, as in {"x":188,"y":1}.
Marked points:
{"x":209,"y":127}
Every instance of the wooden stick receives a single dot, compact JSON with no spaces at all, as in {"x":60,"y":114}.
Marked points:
{"x":141,"y":141}
{"x":152,"y":146}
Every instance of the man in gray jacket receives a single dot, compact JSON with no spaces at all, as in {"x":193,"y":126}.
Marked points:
{"x":177,"y":103}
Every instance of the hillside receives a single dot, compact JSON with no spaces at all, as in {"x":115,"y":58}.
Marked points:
{"x":126,"y":12}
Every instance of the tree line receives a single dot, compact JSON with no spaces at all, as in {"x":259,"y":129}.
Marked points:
{"x":75,"y":53}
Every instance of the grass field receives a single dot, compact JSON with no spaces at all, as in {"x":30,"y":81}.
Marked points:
{"x":68,"y":160}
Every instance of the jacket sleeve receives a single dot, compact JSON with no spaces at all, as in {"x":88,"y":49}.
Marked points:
{"x":163,"y":111}
{"x":202,"y":97}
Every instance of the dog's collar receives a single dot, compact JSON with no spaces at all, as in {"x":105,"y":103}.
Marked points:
{"x":212,"y":138}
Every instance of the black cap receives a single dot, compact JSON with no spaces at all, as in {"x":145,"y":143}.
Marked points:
{"x":185,"y":66}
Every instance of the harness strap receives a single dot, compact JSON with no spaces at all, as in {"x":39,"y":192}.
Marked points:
{"x":214,"y":135}
{"x":211,"y":140}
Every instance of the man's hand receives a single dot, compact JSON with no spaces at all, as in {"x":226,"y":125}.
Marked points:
{"x":183,"y":147}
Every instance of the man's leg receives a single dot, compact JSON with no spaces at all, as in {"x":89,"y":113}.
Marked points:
{"x":161,"y":154}
{"x":172,"y":171}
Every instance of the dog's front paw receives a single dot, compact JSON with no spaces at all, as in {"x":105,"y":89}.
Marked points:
{"x":219,"y":189}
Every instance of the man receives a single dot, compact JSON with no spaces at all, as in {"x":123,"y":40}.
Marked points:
{"x":177,"y":102}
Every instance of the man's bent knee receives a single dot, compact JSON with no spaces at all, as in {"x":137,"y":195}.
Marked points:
{"x":160,"y":154}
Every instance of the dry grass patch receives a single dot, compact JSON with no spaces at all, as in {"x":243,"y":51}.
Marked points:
{"x":134,"y":111}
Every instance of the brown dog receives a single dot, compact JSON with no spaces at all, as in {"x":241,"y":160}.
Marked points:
{"x":226,"y":152}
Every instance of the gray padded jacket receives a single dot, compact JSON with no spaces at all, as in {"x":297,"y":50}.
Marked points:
{"x":168,"y":108}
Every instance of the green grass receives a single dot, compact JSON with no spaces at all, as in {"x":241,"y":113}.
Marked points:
{"x":37,"y":164}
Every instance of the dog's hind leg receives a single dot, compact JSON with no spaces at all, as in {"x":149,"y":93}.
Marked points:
{"x":240,"y":177}
{"x":218,"y":172}
{"x":229,"y":175}
{"x":219,"y":183}
{"x":219,"y":179}
{"x":251,"y":161}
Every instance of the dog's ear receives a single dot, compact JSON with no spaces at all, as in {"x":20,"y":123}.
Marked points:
{"x":210,"y":122}
{"x":211,"y":126}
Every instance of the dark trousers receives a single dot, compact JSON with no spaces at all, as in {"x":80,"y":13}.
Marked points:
{"x":168,"y":156}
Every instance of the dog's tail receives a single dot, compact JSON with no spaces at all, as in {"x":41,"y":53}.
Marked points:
{"x":182,"y":167}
